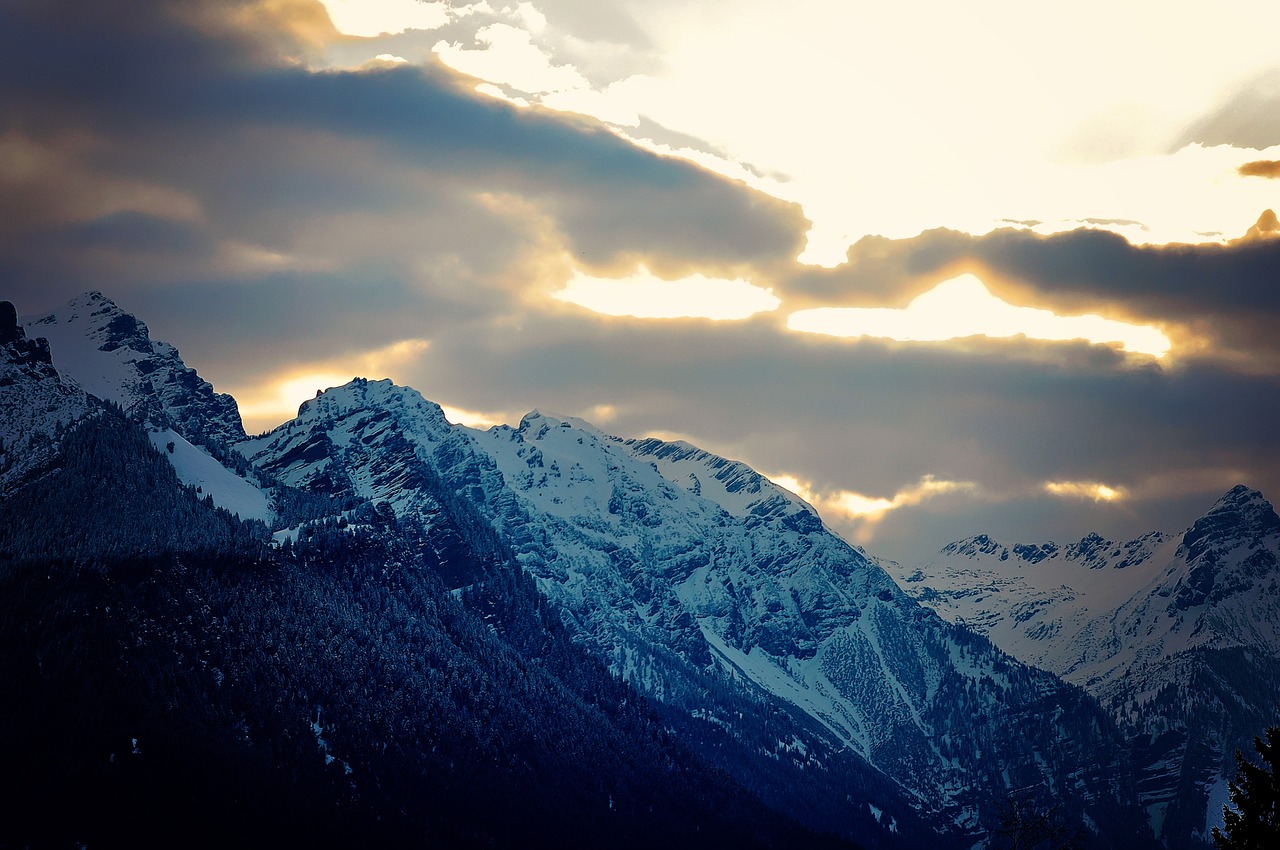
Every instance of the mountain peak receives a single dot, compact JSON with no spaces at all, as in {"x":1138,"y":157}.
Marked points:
{"x":145,"y":377}
{"x":382,"y":394}
{"x":1241,"y":513}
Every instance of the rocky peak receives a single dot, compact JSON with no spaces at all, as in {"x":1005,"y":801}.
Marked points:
{"x":111,"y":355}
{"x":1228,"y":549}
{"x":19,"y":351}
{"x":1242,"y":514}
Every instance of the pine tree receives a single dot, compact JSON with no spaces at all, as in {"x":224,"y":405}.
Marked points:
{"x":1255,"y":796}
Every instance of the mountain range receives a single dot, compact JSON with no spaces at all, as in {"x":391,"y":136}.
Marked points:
{"x":405,"y":627}
{"x":1176,"y":635}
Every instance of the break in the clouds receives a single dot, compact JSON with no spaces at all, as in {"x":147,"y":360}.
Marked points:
{"x":896,"y":118}
{"x":274,"y":191}
{"x":962,"y":307}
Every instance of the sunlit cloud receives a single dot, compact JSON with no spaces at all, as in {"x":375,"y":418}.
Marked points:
{"x":508,"y":55}
{"x":866,"y":511}
{"x":374,"y":17}
{"x":1261,"y":168}
{"x":1095,"y":490}
{"x":267,"y":403}
{"x":476,"y":418}
{"x":1098,"y":147}
{"x":963,"y":307}
{"x":645,"y":296}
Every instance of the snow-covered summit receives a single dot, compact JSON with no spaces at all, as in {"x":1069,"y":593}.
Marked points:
{"x":110,"y":354}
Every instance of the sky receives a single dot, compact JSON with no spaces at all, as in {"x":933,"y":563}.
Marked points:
{"x":939,"y":268}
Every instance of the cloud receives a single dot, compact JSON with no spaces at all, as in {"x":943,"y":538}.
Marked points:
{"x":285,"y":220}
{"x":1248,"y":117}
{"x":962,"y":307}
{"x":375,"y":17}
{"x":1213,"y":300}
{"x":1095,"y":490}
{"x":1261,"y":168}
{"x":231,"y":138}
{"x":861,"y":514}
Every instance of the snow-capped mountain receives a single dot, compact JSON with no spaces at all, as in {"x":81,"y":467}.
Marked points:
{"x":682,"y":569}
{"x":1178,"y":635}
{"x":35,"y":401}
{"x":89,"y":351}
{"x":111,"y":355}
{"x":797,"y":662}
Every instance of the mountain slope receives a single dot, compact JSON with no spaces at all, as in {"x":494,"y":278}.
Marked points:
{"x":171,"y":679}
{"x":687,"y":572}
{"x":35,"y":402}
{"x":1177,"y":635}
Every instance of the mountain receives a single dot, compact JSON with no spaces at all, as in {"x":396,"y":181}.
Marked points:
{"x":691,"y":574}
{"x":35,"y":402}
{"x":177,"y":676}
{"x":110,"y":354}
{"x":748,"y":670}
{"x":1177,"y":635}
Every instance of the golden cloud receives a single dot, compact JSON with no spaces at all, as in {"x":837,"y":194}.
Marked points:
{"x":1269,"y":168}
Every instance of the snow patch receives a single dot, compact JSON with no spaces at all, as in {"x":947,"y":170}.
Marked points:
{"x":197,"y":468}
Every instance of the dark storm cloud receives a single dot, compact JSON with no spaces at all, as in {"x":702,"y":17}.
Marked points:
{"x":1227,"y":292}
{"x":263,"y":147}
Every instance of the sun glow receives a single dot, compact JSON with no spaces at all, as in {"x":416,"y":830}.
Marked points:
{"x":867,"y":511}
{"x":962,"y":307}
{"x":271,"y":401}
{"x":374,"y":17}
{"x":645,"y":296}
{"x":1095,"y":490}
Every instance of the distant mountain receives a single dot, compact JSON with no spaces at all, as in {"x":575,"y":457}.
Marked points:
{"x":795,"y":688}
{"x":1177,"y":635}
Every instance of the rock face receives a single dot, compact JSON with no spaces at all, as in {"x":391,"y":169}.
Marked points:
{"x":688,"y":572}
{"x":35,"y":401}
{"x":1177,"y":635}
{"x":111,"y":355}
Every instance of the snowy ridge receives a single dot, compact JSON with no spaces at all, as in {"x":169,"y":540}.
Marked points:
{"x":675,"y":565}
{"x":110,"y":354}
{"x":1177,"y":635}
{"x":1091,"y":610}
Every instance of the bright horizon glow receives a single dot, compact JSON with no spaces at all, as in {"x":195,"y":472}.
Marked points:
{"x":963,"y":307}
{"x":481,"y":421}
{"x":867,"y":511}
{"x":645,"y":296}
{"x":369,"y":18}
{"x":1095,"y":490}
{"x":275,"y":399}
